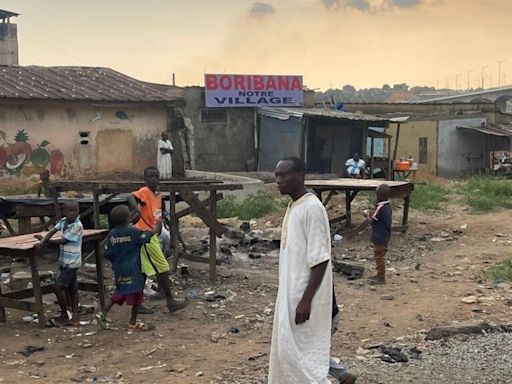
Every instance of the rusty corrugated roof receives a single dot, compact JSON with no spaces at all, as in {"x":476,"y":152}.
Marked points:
{"x":283,"y":113}
{"x":75,"y":83}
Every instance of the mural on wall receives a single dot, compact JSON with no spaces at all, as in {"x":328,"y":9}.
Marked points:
{"x":20,"y":158}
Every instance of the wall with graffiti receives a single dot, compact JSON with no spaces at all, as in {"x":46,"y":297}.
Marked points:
{"x":21,"y":156}
{"x":73,"y":140}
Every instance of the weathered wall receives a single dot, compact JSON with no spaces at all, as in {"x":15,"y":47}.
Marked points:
{"x":460,"y":151}
{"x":279,"y":139}
{"x":220,"y":146}
{"x":35,"y":136}
{"x":408,"y":142}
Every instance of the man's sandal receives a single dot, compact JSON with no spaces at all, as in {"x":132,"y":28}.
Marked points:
{"x":102,"y":320}
{"x":140,"y":326}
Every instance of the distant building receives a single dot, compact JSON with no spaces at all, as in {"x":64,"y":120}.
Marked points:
{"x":447,"y":140}
{"x":8,"y":39}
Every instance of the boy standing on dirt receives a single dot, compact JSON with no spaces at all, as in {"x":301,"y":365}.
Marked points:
{"x":123,"y":250}
{"x":381,"y":220}
{"x":70,"y":259}
{"x":146,"y":207}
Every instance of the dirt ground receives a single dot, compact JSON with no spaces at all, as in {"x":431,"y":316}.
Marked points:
{"x":430,"y":269}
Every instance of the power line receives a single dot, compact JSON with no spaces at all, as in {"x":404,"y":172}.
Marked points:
{"x":53,"y":48}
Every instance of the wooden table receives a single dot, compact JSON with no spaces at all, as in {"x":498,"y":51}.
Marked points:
{"x":24,"y":246}
{"x":404,"y":175}
{"x":25,"y":208}
{"x":351,"y":187}
{"x":206,"y":209}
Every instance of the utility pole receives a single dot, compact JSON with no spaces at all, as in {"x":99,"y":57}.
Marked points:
{"x":483,"y":74}
{"x":469,"y":82}
{"x":499,"y":71}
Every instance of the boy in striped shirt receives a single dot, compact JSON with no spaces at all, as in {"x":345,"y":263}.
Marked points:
{"x":70,"y":259}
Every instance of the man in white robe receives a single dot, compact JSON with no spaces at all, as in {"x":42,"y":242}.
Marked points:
{"x":164,"y":156}
{"x":301,"y":336}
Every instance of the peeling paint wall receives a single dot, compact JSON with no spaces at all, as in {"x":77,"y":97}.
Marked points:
{"x":233,"y":137}
{"x":461,"y":151}
{"x":73,"y":139}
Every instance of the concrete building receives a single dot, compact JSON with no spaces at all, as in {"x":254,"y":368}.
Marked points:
{"x":223,"y":138}
{"x":8,"y":39}
{"x":447,"y":140}
{"x":323,"y":138}
{"x":79,"y":121}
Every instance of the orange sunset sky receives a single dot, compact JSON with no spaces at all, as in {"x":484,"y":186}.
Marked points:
{"x":365,"y":43}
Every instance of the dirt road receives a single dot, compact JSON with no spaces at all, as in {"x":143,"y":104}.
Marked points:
{"x":430,"y":270}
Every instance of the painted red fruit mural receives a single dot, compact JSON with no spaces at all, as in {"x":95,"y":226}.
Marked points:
{"x":18,"y":158}
{"x":56,"y":162}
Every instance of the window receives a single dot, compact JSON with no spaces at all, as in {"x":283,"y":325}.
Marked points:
{"x":214,"y":115}
{"x":423,"y":150}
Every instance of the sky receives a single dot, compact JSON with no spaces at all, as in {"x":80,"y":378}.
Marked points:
{"x":366,"y":43}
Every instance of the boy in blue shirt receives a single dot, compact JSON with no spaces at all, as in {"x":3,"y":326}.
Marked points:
{"x":123,"y":250}
{"x":381,"y":220}
{"x":70,"y":259}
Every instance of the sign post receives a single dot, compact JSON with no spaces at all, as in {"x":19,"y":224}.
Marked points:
{"x":245,"y":91}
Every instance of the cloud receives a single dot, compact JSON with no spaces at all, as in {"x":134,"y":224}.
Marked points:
{"x":404,"y":3}
{"x":370,"y":5}
{"x":332,"y":4}
{"x":360,"y":5}
{"x":260,"y":9}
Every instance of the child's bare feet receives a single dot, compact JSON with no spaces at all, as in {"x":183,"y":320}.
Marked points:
{"x":60,"y":319}
{"x":73,"y":322}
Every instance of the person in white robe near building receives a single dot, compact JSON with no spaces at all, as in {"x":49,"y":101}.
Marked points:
{"x":301,"y":337}
{"x":164,"y":157}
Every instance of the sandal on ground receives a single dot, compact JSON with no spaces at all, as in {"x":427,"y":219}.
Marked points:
{"x":157,"y":296}
{"x":143,"y":310}
{"x":102,"y":320}
{"x":140,"y":326}
{"x":176,"y":305}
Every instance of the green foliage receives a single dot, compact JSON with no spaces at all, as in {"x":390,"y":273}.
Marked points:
{"x":498,"y":273}
{"x":430,"y":196}
{"x":253,"y":207}
{"x":104,"y":222}
{"x":485,"y":193}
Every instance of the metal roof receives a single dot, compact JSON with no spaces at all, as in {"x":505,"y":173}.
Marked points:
{"x":75,"y":83}
{"x":488,"y":130}
{"x":6,"y":14}
{"x":282,"y":113}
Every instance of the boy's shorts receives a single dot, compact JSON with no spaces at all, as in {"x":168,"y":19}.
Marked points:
{"x":152,"y":258}
{"x":129,"y":298}
{"x":67,"y":278}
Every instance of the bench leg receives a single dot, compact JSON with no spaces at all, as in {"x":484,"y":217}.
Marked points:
{"x":405,"y":219}
{"x":3,"y":318}
{"x":99,"y":273}
{"x":36,"y":285}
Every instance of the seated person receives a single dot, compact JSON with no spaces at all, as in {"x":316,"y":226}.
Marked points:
{"x":355,"y":167}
